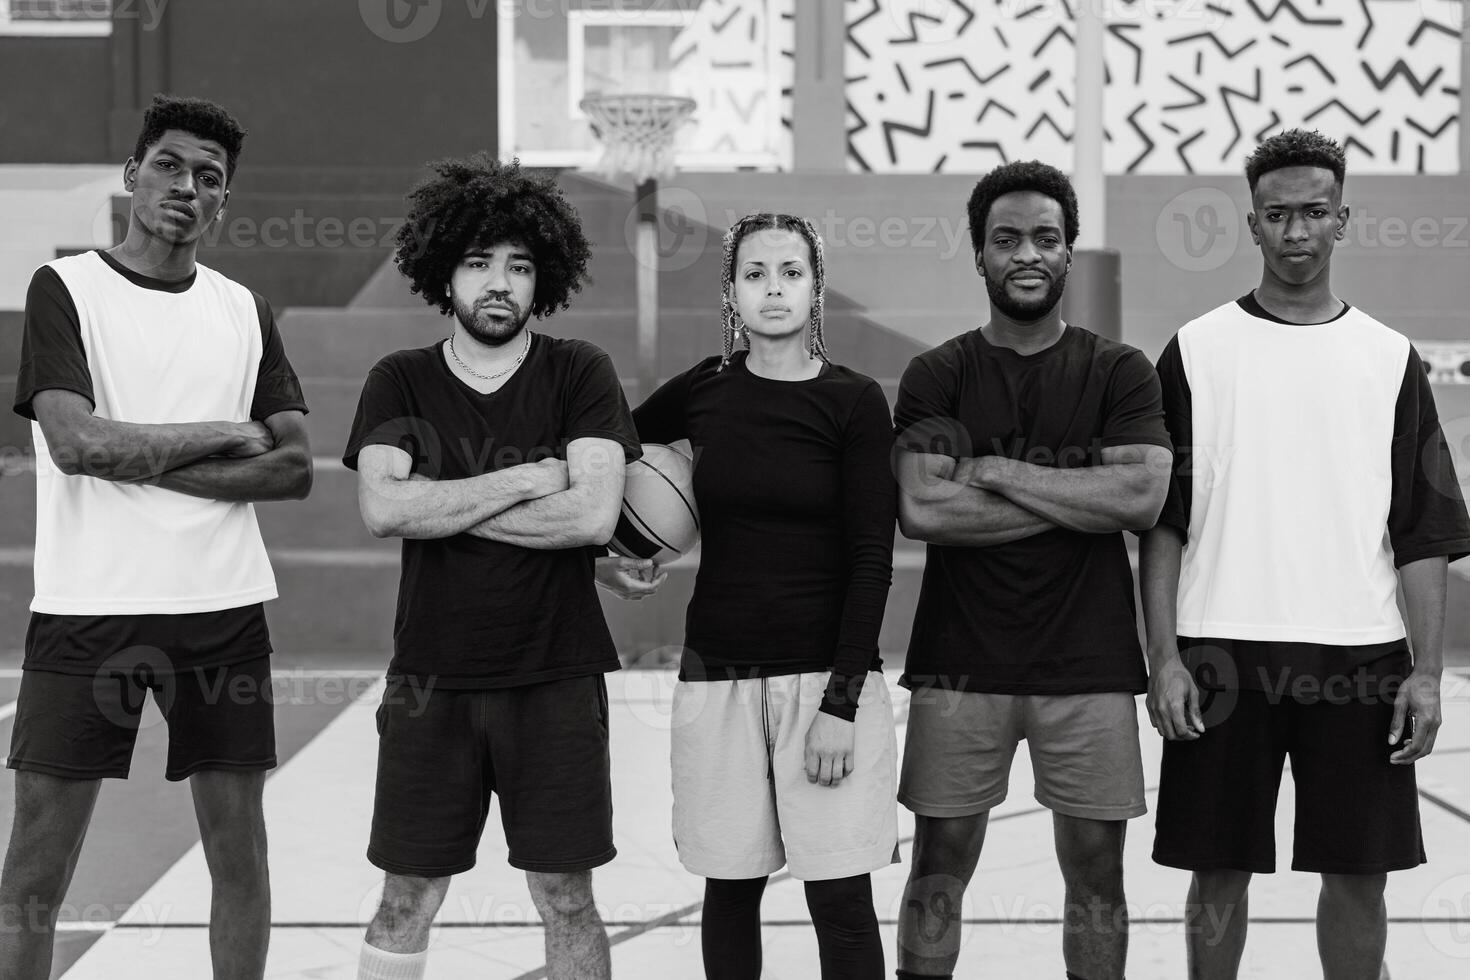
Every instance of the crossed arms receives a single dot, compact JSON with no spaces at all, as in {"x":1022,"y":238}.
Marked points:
{"x":219,"y":460}
{"x":549,"y":504}
{"x":989,"y":500}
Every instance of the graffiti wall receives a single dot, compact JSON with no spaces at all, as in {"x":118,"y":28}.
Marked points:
{"x":961,"y":85}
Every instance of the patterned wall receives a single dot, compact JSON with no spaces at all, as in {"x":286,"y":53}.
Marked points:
{"x":962,"y":85}
{"x":721,"y":61}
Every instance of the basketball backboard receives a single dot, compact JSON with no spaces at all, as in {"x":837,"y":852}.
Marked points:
{"x":733,"y":57}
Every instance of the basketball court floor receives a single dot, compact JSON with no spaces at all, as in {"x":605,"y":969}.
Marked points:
{"x":139,"y":906}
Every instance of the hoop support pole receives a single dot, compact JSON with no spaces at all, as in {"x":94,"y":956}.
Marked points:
{"x":646,"y":259}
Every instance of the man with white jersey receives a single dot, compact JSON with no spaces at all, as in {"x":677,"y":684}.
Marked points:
{"x":163,"y":404}
{"x":1313,"y":481}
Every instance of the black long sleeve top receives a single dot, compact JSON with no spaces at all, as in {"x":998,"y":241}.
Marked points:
{"x":797,"y":503}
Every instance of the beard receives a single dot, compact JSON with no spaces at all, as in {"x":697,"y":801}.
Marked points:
{"x":488,"y":330}
{"x":1025,"y":310}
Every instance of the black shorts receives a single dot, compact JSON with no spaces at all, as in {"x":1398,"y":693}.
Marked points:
{"x":81,"y":727}
{"x":543,"y":748}
{"x":1356,"y":813}
{"x":71,"y":644}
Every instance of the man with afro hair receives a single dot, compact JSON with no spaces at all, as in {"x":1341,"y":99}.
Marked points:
{"x":1026,"y":448}
{"x":497,"y":455}
{"x":162,"y":404}
{"x":1306,"y":496}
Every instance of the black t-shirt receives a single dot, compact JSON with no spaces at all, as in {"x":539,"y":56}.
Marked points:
{"x":1424,"y":521}
{"x":474,"y":613}
{"x":797,"y":508}
{"x":1053,"y":613}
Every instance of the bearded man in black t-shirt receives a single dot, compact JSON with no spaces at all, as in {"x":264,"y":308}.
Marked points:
{"x":497,"y":455}
{"x":1026,"y":447}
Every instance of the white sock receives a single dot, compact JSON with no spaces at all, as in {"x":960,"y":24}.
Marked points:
{"x":378,"y":964}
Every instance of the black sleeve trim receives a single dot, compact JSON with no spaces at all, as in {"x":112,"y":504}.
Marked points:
{"x":844,"y":692}
{"x":277,"y":389}
{"x":1426,"y":515}
{"x":52,"y":354}
{"x":1177,"y":400}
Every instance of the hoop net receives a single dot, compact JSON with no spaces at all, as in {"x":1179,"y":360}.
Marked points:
{"x":637,"y":132}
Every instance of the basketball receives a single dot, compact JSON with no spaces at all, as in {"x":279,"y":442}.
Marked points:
{"x":659,"y":519}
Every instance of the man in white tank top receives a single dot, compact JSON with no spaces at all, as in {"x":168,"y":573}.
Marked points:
{"x":162,"y":405}
{"x":1312,"y":481}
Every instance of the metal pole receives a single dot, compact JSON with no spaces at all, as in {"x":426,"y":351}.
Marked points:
{"x":1088,"y":143}
{"x":646,"y":258}
{"x":1464,"y":91}
{"x":1094,"y":296}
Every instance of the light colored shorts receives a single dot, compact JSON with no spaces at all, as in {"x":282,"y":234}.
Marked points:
{"x":742,"y":804}
{"x":1084,"y":752}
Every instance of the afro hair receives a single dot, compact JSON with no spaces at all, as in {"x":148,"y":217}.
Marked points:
{"x":1296,"y":148}
{"x":197,"y":117}
{"x":1023,"y":175}
{"x":480,"y":201}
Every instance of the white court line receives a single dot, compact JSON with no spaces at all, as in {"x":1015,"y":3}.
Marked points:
{"x":7,"y":711}
{"x":85,"y":926}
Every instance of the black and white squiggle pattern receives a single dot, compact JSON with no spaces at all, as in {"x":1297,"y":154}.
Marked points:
{"x":962,"y":85}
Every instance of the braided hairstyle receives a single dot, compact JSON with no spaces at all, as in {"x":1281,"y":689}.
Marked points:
{"x":816,"y":341}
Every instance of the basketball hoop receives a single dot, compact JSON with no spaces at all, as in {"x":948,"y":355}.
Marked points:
{"x":637,"y":135}
{"x":637,"y":132}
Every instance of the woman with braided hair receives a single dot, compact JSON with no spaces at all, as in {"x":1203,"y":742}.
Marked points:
{"x":783,"y":738}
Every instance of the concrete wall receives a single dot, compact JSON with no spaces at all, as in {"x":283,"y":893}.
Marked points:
{"x":898,"y":246}
{"x":319,"y":85}
{"x":54,"y":96}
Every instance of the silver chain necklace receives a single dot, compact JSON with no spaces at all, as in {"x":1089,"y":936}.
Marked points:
{"x":490,"y":377}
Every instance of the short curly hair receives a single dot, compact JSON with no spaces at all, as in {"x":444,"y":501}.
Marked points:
{"x":481,"y":201}
{"x":1022,"y":175}
{"x":197,"y":117}
{"x":1296,"y":148}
